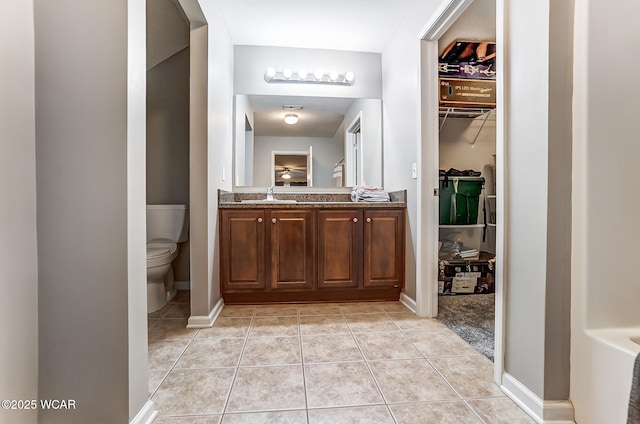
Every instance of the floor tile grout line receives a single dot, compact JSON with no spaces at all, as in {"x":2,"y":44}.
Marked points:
{"x":375,"y":381}
{"x":302,"y":363}
{"x":237,"y":369}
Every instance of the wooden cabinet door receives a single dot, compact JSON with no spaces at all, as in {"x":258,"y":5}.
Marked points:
{"x":242,"y":249}
{"x":383,"y":248}
{"x":292,"y":249}
{"x":339,"y":238}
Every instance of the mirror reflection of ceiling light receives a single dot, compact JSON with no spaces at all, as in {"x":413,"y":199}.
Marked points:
{"x":290,"y":118}
{"x":286,"y":174}
{"x":302,"y":76}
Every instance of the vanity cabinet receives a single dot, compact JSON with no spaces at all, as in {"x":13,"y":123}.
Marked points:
{"x":242,"y":250}
{"x":339,"y":238}
{"x":291,"y":247}
{"x":311,"y":254}
{"x":383,"y":248}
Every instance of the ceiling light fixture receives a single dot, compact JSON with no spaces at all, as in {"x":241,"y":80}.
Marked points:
{"x":285,"y":174}
{"x":290,"y":118}
{"x":302,"y":76}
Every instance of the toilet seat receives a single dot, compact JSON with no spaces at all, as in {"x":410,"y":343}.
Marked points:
{"x":161,"y":253}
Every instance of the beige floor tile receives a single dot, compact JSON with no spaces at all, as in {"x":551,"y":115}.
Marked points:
{"x":212,"y":353}
{"x":210,"y":419}
{"x":343,"y":384}
{"x":246,"y":311}
{"x":319,"y":309}
{"x":338,"y":348}
{"x":194,"y":392}
{"x":267,"y":389}
{"x":182,"y":296}
{"x":434,"y":343}
{"x":370,"y":323}
{"x":411,"y":322}
{"x":325,"y":324}
{"x":351,"y":415}
{"x":500,"y":410}
{"x":160,"y":312}
{"x":164,"y":354}
{"x":434,"y":413}
{"x":155,"y":378}
{"x":178,"y":310}
{"x":274,"y":326}
{"x":412,"y":380}
{"x":276,"y":311}
{"x":226,"y":327}
{"x":170,"y":329}
{"x":395,"y":307}
{"x":386,"y":346}
{"x":361,"y":308}
{"x":279,"y":417}
{"x":470,"y":376}
{"x":271,"y":351}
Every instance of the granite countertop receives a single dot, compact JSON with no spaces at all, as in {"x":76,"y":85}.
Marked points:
{"x":228,"y":200}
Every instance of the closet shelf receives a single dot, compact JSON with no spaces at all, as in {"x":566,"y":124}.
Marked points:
{"x":463,"y":226}
{"x":485,"y":114}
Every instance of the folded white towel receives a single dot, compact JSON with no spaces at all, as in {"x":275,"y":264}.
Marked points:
{"x":369,"y":194}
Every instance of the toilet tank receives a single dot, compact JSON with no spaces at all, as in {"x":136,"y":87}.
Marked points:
{"x":167,"y":223}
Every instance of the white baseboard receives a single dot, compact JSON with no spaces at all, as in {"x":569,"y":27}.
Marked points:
{"x":182,"y":285}
{"x":408,"y":302}
{"x":196,"y":321}
{"x":146,"y":415}
{"x":543,"y":412}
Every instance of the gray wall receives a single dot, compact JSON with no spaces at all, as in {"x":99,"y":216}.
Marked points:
{"x":18,"y":250}
{"x":90,"y":188}
{"x":538,"y":197}
{"x":251,"y":62}
{"x":326,"y":152}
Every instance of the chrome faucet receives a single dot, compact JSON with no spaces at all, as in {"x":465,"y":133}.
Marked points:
{"x":270,"y":193}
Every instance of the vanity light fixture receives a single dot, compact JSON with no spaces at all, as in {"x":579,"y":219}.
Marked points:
{"x":334,"y":77}
{"x":290,"y":118}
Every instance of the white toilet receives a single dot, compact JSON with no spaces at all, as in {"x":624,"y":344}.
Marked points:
{"x":167,"y":225}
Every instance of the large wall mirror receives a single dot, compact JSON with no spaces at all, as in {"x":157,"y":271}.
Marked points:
{"x":334,"y":142}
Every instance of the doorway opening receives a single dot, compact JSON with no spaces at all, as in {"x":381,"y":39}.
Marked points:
{"x":468,"y":137}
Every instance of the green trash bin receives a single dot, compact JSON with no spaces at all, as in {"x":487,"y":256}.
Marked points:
{"x":459,"y":200}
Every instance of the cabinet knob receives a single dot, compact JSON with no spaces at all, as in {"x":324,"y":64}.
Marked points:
{"x":259,"y":219}
{"x":355,"y":219}
{"x":368,"y":219}
{"x":274,"y":220}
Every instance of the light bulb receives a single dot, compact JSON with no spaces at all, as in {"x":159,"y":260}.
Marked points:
{"x":349,"y":76}
{"x":290,"y":118}
{"x":318,"y":74}
{"x":286,"y":175}
{"x":333,"y":75}
{"x":287,"y":73}
{"x":302,"y":74}
{"x":271,"y":72}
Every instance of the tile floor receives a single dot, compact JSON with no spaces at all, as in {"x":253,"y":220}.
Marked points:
{"x":332,"y":363}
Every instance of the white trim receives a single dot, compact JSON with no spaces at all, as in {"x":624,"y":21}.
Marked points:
{"x":543,"y":412}
{"x":196,"y":321}
{"x":445,"y":15}
{"x":146,"y":415}
{"x":428,"y":134}
{"x":182,"y":285}
{"x":408,"y":302}
{"x":500,"y":270}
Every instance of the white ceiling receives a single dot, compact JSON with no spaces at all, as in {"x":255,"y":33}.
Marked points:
{"x":320,"y":116}
{"x":356,"y":25}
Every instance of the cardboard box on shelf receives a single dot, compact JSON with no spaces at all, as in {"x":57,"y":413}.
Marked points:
{"x":467,"y":92}
{"x":468,"y":59}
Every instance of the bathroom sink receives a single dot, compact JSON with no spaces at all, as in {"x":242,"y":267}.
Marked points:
{"x":268,"y":202}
